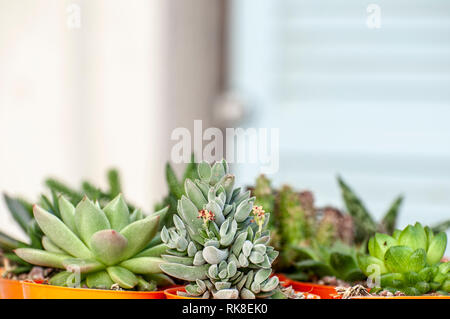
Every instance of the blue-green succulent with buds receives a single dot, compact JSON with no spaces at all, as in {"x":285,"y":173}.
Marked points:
{"x":104,"y":248}
{"x":219,"y":243}
{"x":409,"y":261}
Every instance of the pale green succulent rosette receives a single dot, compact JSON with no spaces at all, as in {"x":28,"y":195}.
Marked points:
{"x":105,"y":248}
{"x":409,"y":261}
{"x":219,"y":242}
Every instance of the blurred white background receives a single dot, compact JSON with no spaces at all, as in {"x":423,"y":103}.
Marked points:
{"x":77,"y":101}
{"x":371,"y":104}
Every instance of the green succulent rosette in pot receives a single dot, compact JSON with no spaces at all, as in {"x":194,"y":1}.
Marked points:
{"x":105,"y":248}
{"x":219,"y":243}
{"x":409,"y":261}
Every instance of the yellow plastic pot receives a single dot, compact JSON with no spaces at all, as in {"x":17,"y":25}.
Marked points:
{"x":10,"y":288}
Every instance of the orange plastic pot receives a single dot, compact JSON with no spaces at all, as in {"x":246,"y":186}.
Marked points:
{"x":325,"y":292}
{"x":282,"y":277}
{"x":10,"y":289}
{"x":40,"y":291}
{"x":171,"y":293}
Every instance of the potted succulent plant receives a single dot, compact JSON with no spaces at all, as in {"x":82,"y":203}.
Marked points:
{"x":15,"y":268}
{"x":219,"y":242}
{"x":314,"y":242}
{"x":409,"y":263}
{"x":20,"y":210}
{"x":106,"y":252}
{"x":319,"y":245}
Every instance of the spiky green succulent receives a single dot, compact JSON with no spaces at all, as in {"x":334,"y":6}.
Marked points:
{"x":337,"y":260}
{"x":366,"y":225}
{"x":304,"y":234}
{"x":409,"y":261}
{"x":175,"y":189}
{"x":22,"y":213}
{"x":90,"y":190}
{"x":219,"y":242}
{"x":98,"y":248}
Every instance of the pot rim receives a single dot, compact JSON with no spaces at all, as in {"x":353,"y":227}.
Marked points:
{"x":172,"y":292}
{"x":46,"y":286}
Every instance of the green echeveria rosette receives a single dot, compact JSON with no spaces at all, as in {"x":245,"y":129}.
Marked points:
{"x":219,"y":242}
{"x":99,"y":248}
{"x":409,"y":261}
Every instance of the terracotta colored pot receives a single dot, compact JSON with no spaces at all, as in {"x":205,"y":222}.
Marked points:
{"x":171,"y":293}
{"x":325,"y":292}
{"x":10,"y":289}
{"x":40,"y":291}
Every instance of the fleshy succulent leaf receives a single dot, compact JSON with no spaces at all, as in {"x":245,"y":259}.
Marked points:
{"x":414,"y":237}
{"x":189,"y":214}
{"x":204,"y":171}
{"x":143,"y":265}
{"x":51,"y":246}
{"x":108,"y":246}
{"x":60,"y":279}
{"x":183,"y":272}
{"x":60,"y":234}
{"x":89,"y":219}
{"x":117,"y":213}
{"x":397,"y":258}
{"x":160,"y":279}
{"x":139,"y":234}
{"x":99,"y":280}
{"x":67,"y":211}
{"x":77,"y":265}
{"x":381,"y":243}
{"x":41,"y":257}
{"x":418,"y":260}
{"x":114,"y":182}
{"x":123,"y":277}
{"x":343,"y":263}
{"x":436,"y":248}
{"x":194,"y":194}
{"x":154,"y":251}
